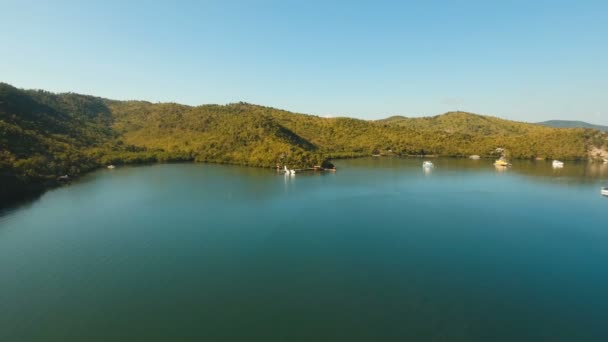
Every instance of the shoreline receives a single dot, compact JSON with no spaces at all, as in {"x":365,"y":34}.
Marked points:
{"x":13,"y":194}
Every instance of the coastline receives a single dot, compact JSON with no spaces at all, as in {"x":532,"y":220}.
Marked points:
{"x":15,"y":190}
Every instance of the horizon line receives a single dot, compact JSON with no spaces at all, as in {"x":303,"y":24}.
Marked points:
{"x":326,"y":116}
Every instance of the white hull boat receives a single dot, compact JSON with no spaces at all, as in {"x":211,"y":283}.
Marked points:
{"x":288,"y":171}
{"x":558,"y":164}
{"x":428,"y":165}
{"x":604,"y":192}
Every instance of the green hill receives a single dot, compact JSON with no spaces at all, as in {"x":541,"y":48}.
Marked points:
{"x":463,"y":122}
{"x":572,"y":124}
{"x":235,"y":134}
{"x":45,"y":135}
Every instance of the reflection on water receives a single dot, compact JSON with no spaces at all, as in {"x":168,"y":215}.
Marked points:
{"x":501,"y":169}
{"x":573,"y":169}
{"x":572,"y":172}
{"x":289,"y":181}
{"x":378,"y":251}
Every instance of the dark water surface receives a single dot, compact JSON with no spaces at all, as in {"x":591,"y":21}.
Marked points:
{"x":379,"y":251}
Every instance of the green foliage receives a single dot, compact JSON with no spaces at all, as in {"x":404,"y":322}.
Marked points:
{"x":44,"y":135}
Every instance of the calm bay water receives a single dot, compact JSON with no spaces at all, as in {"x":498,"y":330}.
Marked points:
{"x":378,"y":251}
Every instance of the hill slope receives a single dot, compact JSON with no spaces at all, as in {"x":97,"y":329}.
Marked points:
{"x":235,"y":133}
{"x":572,"y":124}
{"x":466,"y":123}
{"x":44,"y":135}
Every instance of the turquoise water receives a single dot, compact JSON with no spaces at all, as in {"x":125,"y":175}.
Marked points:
{"x":379,"y":251}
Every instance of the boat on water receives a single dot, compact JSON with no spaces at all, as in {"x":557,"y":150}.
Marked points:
{"x":502,"y":162}
{"x":605,"y":161}
{"x":604,"y":192}
{"x":474,"y":157}
{"x":111,"y":166}
{"x":558,"y":164}
{"x":288,"y":171}
{"x":428,"y":165}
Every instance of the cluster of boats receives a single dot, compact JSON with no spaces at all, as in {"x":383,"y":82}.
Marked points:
{"x":502,"y":162}
{"x":557,"y":164}
{"x":499,"y":162}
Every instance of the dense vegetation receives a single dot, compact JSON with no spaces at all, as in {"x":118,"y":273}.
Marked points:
{"x":572,"y":124}
{"x":45,"y":135}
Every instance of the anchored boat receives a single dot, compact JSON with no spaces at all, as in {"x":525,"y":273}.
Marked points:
{"x":288,"y":171}
{"x":502,"y":162}
{"x":428,"y":165}
{"x":604,"y":192}
{"x":558,"y":164}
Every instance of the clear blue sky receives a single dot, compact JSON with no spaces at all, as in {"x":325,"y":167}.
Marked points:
{"x":523,"y":60}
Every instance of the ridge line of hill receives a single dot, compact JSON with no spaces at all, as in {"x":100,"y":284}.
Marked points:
{"x":44,"y":135}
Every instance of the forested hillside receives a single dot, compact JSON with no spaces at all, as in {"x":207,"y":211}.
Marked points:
{"x":466,"y":123}
{"x":45,"y":135}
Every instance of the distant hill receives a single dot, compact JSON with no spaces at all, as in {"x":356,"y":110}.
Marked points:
{"x":572,"y":124}
{"x":44,"y":135}
{"x":463,"y":122}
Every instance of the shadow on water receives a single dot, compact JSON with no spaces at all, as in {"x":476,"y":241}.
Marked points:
{"x":166,"y":175}
{"x":257,"y":181}
{"x":15,"y":199}
{"x":10,"y":205}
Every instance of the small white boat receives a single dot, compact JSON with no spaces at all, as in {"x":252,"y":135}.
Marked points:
{"x":604,"y":192}
{"x":558,"y":164}
{"x":111,"y":166}
{"x":502,"y":162}
{"x":428,"y":165}
{"x":474,"y":157}
{"x":288,"y":171}
{"x":605,"y":161}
